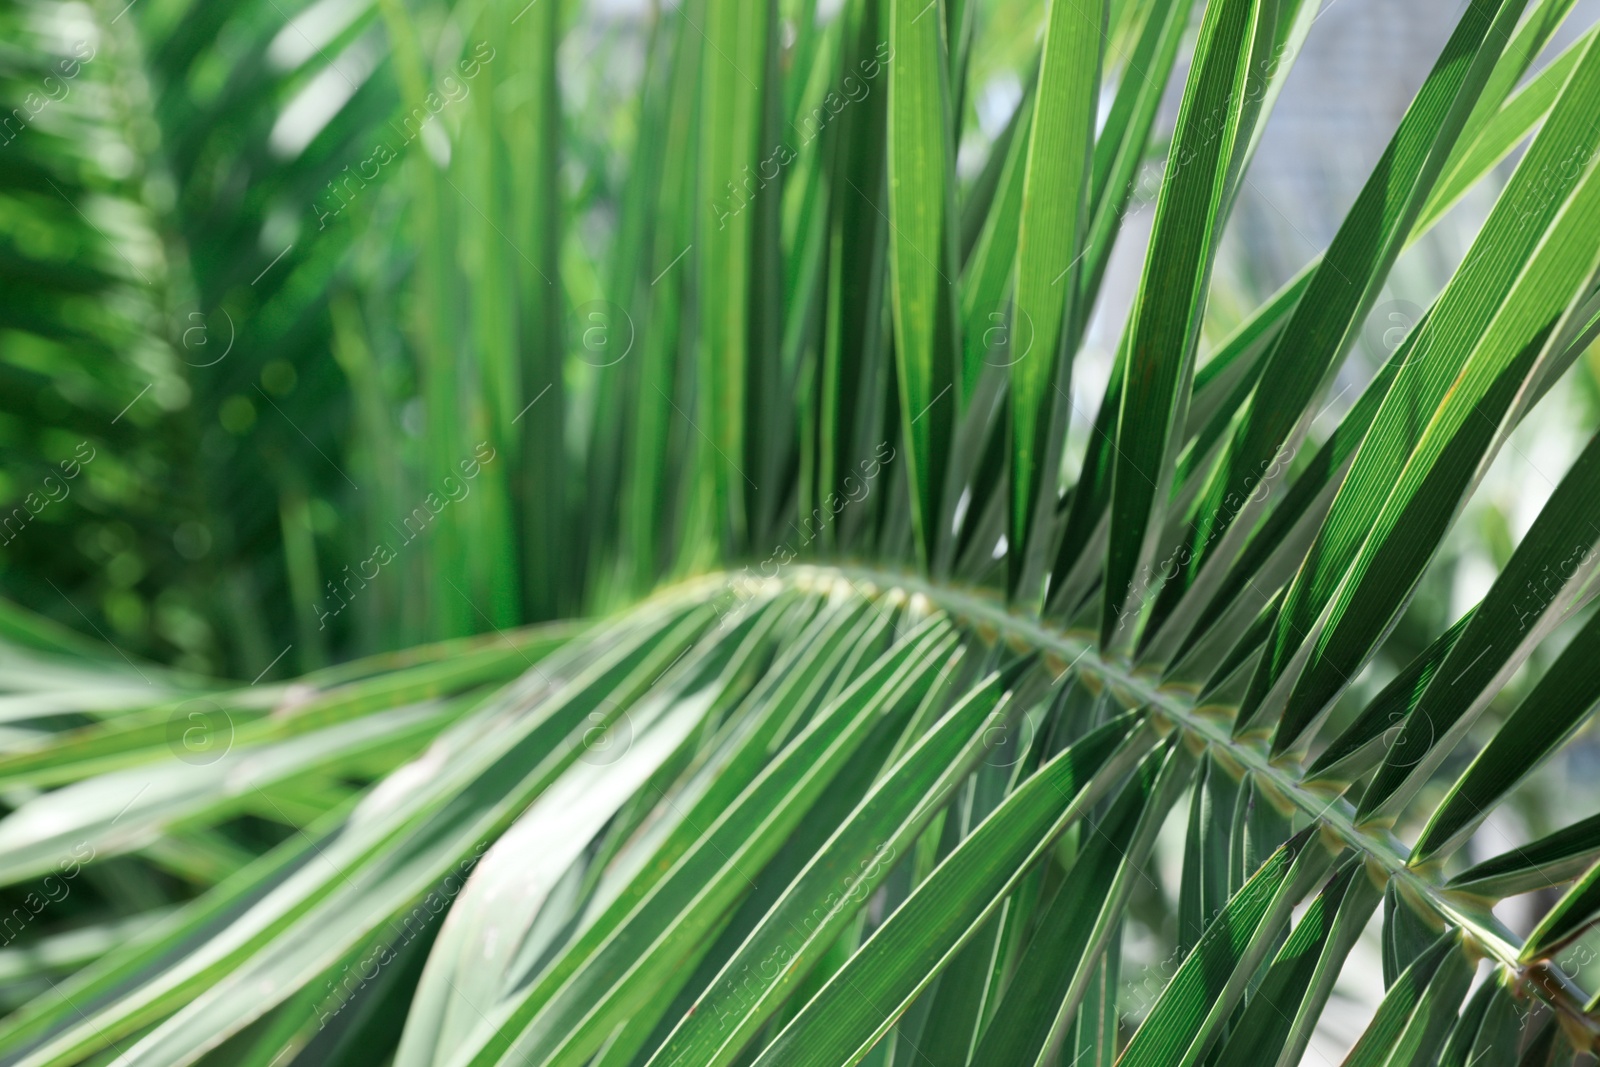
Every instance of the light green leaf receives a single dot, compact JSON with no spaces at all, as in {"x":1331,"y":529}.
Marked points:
{"x":1415,"y":1017}
{"x":1553,"y":859}
{"x":1065,"y":952}
{"x":733,"y":183}
{"x":1552,"y":712}
{"x":1212,"y":978}
{"x":777,"y":956}
{"x":1343,"y":285}
{"x":1490,"y":332}
{"x":863,"y":1000}
{"x":1559,"y":553}
{"x":922,"y":253}
{"x":1214,"y":125}
{"x":1278,"y":1021}
{"x":1050,"y":231}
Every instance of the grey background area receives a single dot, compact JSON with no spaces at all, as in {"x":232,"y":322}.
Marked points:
{"x":1362,"y":64}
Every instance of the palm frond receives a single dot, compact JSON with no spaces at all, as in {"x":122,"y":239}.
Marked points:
{"x":913,"y":713}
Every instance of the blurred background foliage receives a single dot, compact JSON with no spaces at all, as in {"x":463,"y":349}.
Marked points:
{"x":211,"y":236}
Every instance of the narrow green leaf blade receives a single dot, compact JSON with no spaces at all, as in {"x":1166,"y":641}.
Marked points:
{"x":1186,"y":1019}
{"x":1278,"y":1022}
{"x":1401,"y":1000}
{"x":1415,"y":1017}
{"x":922,"y":253}
{"x":1442,"y":417}
{"x":1050,"y":231}
{"x":776,"y":958}
{"x":1346,"y":757}
{"x":1558,"y":705}
{"x":1553,"y":859}
{"x":1215,"y":121}
{"x":1560,"y":552}
{"x":1069,"y":938}
{"x":734,"y":65}
{"x":570,"y":1022}
{"x":863,"y":1000}
{"x":1343,"y":285}
{"x":1121,"y":147}
{"x":1478,"y":151}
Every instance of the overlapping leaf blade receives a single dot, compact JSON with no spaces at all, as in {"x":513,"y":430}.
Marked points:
{"x":1355,"y":550}
{"x":1214,"y":124}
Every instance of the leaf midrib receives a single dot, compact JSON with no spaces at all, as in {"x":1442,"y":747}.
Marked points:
{"x":1333,"y":813}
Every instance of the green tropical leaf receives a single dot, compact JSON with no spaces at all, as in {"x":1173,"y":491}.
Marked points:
{"x":540,"y":534}
{"x":863,"y":999}
{"x":1322,"y":326}
{"x":921,"y":251}
{"x":1219,"y":111}
{"x":1211,"y":980}
{"x":1050,"y":229}
{"x":1552,"y":859}
{"x":1351,"y":553}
